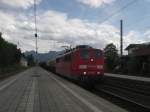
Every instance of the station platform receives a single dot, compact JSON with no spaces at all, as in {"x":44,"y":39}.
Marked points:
{"x":36,"y":90}
{"x":136,"y":78}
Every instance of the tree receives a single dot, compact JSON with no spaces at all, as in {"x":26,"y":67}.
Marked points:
{"x":9,"y":54}
{"x":111,"y":57}
{"x":30,"y":60}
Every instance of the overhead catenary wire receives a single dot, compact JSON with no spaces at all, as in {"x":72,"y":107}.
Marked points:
{"x":118,"y":11}
{"x":115,"y":13}
{"x":138,"y":22}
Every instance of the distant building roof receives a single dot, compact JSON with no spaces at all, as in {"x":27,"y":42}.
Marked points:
{"x":132,"y":46}
{"x":138,"y":45}
{"x":139,"y":49}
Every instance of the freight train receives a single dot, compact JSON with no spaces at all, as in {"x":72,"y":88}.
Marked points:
{"x":82,"y":63}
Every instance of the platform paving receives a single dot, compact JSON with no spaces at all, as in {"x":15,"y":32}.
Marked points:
{"x":37,"y":90}
{"x":136,"y":78}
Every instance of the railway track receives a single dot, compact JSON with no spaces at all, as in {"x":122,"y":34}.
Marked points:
{"x":135,"y":96}
{"x":134,"y":101}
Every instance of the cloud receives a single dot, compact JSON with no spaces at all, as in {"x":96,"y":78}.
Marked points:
{"x":57,"y":29}
{"x":147,"y":35}
{"x":95,"y":3}
{"x":19,"y":3}
{"x":57,"y":26}
{"x":132,"y":37}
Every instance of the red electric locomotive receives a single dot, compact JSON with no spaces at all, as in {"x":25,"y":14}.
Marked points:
{"x":82,"y":63}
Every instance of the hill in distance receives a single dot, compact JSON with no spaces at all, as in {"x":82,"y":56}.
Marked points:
{"x":42,"y":57}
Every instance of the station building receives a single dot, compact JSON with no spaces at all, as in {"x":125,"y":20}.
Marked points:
{"x":141,"y":54}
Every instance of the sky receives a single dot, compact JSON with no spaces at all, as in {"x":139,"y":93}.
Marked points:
{"x":74,"y":22}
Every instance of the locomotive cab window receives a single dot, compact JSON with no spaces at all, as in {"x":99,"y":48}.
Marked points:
{"x":57,"y":60}
{"x":67,"y":57}
{"x":84,"y":54}
{"x":96,"y":53}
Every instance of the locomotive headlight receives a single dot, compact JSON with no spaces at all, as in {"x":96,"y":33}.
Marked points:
{"x":84,"y":73}
{"x":82,"y":66}
{"x":98,"y":72}
{"x":99,"y":66}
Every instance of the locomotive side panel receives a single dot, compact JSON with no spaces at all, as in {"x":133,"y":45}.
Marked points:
{"x":63,"y":65}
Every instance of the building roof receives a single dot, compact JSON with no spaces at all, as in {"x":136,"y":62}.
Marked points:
{"x":139,"y":49}
{"x":132,"y":46}
{"x":138,"y":46}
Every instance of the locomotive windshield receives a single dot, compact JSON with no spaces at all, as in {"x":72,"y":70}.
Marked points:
{"x":96,"y":53}
{"x":84,"y":54}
